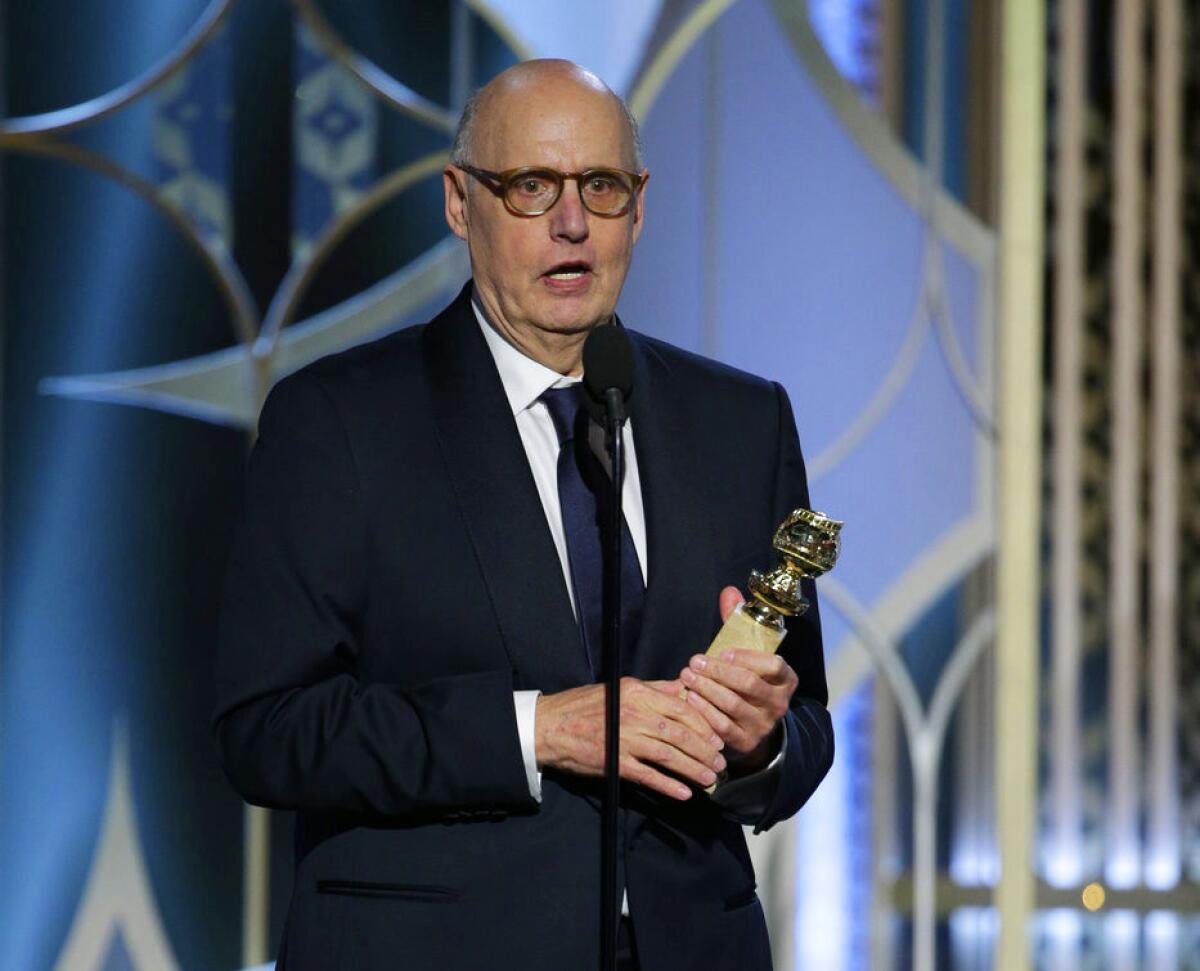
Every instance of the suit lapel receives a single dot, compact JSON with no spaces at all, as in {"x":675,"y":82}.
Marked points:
{"x":678,"y":619}
{"x":490,"y":475}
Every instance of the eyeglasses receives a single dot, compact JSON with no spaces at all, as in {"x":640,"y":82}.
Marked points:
{"x":532,"y":191}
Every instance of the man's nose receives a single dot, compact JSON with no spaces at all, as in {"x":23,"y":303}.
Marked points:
{"x":568,"y":218}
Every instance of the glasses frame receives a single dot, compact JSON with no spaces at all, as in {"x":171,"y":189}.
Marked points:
{"x":498,"y":182}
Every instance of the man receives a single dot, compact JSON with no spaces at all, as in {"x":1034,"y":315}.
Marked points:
{"x":408,"y":640}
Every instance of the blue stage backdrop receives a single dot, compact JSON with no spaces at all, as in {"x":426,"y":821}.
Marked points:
{"x":200,"y":197}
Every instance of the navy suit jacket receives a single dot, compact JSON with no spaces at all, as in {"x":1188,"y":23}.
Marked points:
{"x":395,"y":580}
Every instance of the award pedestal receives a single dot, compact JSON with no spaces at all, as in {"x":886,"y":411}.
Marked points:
{"x":742,"y":631}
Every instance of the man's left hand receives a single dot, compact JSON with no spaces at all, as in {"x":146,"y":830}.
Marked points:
{"x":743,"y":695}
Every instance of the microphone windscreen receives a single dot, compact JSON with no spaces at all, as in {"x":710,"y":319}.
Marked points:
{"x":607,"y":363}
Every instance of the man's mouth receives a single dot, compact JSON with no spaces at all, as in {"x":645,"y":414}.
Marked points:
{"x":568,"y":271}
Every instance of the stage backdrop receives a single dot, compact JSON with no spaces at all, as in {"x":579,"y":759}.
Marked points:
{"x":199,"y":198}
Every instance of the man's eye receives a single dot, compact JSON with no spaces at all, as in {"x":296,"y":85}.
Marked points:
{"x":601,"y":184}
{"x":532,"y":186}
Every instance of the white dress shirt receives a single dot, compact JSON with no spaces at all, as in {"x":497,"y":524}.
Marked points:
{"x":524,"y":381}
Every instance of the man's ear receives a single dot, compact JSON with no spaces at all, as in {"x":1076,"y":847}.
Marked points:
{"x":639,"y":207}
{"x":456,"y":202}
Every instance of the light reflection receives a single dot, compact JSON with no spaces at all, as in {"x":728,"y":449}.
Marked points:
{"x":1062,"y":865}
{"x":1161,"y":930}
{"x":822,"y":865}
{"x":972,"y":938}
{"x":1162,"y":868}
{"x":1121,"y":941}
{"x":1122,"y":870}
{"x":1063,"y":929}
{"x":973,"y":861}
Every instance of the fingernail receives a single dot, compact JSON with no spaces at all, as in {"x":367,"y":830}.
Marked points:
{"x":728,"y":656}
{"x":718,"y":742}
{"x":719,"y":763}
{"x":708,"y":777}
{"x":699,"y":662}
{"x":683,"y":792}
{"x":689,"y":675}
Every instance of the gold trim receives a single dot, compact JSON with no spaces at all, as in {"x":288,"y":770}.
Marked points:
{"x":1162,"y":857}
{"x":1022,"y":183}
{"x":256,"y":884}
{"x":291,"y":291}
{"x":374,"y":78}
{"x":502,"y":28}
{"x":230,"y":282}
{"x":651,"y":81}
{"x":22,"y":129}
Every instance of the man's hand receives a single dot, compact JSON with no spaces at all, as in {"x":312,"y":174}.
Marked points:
{"x":743,"y":695}
{"x":658,"y":731}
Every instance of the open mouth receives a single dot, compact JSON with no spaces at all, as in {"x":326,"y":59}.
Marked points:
{"x":566,"y":272}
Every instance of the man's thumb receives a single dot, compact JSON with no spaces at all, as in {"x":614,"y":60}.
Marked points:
{"x":730,"y":598}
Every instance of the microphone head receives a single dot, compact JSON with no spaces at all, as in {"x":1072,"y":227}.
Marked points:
{"x":607,"y":363}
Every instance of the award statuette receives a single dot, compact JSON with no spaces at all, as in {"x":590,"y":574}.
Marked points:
{"x":808,"y":544}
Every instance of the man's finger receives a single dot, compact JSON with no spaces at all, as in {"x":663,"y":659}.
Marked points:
{"x":703,"y":747}
{"x":665,"y":755}
{"x":721,"y":723}
{"x":770,"y":667}
{"x":644,"y":775}
{"x":725,"y":699}
{"x":741,"y":680}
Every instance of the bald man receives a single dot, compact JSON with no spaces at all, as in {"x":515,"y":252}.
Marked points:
{"x":408,"y":652}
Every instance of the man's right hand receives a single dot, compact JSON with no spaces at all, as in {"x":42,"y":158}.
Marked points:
{"x":658,"y":731}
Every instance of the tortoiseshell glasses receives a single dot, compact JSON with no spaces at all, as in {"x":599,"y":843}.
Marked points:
{"x":533,"y":190}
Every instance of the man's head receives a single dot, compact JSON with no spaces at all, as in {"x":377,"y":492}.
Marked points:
{"x":547,"y":277}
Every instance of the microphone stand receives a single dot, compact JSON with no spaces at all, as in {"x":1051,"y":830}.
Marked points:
{"x":610,"y":904}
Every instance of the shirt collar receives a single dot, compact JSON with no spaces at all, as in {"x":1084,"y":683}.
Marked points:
{"x":524,"y":379}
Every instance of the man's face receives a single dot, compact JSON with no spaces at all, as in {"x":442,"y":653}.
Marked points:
{"x":560,"y":272}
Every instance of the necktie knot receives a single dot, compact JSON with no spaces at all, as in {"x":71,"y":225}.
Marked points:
{"x":564,"y":405}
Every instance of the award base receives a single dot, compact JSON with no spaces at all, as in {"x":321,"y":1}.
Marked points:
{"x":743,"y":631}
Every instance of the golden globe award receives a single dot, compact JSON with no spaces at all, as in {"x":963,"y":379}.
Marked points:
{"x":808,"y":544}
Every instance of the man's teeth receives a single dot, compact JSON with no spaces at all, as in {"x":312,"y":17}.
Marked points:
{"x":566,"y":275}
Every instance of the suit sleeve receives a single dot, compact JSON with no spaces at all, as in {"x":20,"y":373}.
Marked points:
{"x":296,"y":728}
{"x":808,"y":727}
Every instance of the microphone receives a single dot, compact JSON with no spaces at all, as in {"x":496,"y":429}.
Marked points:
{"x":607,"y":385}
{"x":607,"y":374}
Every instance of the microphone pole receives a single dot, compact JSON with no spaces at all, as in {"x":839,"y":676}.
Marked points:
{"x":608,"y":382}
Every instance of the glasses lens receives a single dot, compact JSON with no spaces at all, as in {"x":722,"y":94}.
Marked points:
{"x":605,"y":191}
{"x":532,"y":191}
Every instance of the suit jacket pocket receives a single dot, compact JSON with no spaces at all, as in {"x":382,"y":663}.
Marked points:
{"x":392,"y":891}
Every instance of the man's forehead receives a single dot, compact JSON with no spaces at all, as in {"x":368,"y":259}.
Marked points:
{"x":549,"y":118}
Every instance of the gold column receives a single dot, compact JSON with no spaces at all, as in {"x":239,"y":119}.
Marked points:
{"x":1022,"y":181}
{"x":1123,"y":803}
{"x":1162,"y":864}
{"x":256,"y":887}
{"x":1064,"y":777}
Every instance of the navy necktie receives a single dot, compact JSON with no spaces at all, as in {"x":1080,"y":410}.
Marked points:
{"x":584,"y":495}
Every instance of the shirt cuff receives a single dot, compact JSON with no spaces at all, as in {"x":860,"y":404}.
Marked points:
{"x":746,"y":797}
{"x":525,"y":703}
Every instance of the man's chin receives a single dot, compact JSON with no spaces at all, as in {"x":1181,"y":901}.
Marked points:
{"x":574,"y":324}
